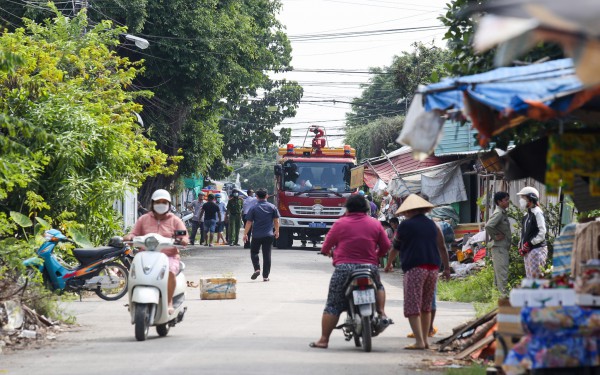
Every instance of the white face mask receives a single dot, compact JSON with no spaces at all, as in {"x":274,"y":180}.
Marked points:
{"x":161,"y":208}
{"x":523,"y":203}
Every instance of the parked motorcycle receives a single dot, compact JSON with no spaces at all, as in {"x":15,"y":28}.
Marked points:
{"x":100,"y":269}
{"x":148,"y":280}
{"x":362,"y":322}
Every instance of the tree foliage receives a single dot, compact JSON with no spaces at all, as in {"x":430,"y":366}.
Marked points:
{"x":391,"y":88}
{"x":208,"y":65}
{"x":370,"y":139}
{"x":377,"y":116}
{"x":69,"y":139}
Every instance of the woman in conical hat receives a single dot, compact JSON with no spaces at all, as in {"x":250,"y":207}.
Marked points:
{"x":422,"y":251}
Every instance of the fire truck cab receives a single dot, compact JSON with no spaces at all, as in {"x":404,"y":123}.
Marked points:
{"x":311,"y":188}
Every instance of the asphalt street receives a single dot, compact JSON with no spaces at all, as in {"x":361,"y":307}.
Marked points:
{"x":265,"y":330}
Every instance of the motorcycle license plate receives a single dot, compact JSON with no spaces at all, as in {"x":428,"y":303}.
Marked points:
{"x":363,"y":297}
{"x":317,"y":225}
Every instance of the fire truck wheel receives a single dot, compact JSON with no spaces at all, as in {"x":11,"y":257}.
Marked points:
{"x":285,"y":240}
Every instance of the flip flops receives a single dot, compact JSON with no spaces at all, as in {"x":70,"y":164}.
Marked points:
{"x":314,"y":345}
{"x":192,"y":284}
{"x":255,"y":275}
{"x":413,"y":347}
{"x":431,"y":333}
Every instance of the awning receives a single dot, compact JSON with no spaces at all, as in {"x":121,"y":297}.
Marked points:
{"x":442,"y":183}
{"x":519,"y":25}
{"x":502,"y":98}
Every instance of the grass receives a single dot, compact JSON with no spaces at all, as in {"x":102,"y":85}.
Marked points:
{"x":478,"y":289}
{"x":471,"y":370}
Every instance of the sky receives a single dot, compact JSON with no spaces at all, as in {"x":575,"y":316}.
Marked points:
{"x":347,"y":57}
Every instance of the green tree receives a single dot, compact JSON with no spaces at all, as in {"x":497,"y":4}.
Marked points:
{"x":208,"y":64}
{"x":69,"y":139}
{"x":370,"y":139}
{"x":391,"y":88}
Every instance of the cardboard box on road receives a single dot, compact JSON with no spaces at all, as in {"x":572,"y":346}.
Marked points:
{"x":217,"y":288}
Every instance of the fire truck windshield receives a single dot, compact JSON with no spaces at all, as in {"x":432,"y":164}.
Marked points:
{"x":299,"y":176}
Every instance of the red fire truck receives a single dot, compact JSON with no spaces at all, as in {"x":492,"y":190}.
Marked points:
{"x":311,"y":188}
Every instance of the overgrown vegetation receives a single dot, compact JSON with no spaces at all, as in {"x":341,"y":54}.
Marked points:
{"x":479,"y":288}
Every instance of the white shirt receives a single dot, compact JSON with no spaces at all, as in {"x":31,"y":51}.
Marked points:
{"x":249,"y":202}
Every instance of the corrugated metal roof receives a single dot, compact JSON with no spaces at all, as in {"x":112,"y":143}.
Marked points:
{"x":457,"y":140}
{"x":403,"y":161}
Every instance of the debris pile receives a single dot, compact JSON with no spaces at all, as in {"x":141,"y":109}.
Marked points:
{"x":21,"y":327}
{"x":473,"y":340}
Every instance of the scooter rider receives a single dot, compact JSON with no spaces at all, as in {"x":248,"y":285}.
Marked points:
{"x":161,"y":220}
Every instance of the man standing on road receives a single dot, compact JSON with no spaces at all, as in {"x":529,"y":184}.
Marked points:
{"x":234,"y":217}
{"x":262,"y":218}
{"x":211,"y":214}
{"x":249,"y":202}
{"x":220,"y":223}
{"x":196,"y":219}
{"x":498,"y":229}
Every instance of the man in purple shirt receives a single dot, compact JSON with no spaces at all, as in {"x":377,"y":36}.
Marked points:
{"x":263,"y":220}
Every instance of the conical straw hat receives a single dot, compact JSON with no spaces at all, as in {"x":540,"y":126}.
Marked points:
{"x":412,"y":202}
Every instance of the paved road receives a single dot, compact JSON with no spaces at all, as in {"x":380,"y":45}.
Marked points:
{"x":266,"y":330}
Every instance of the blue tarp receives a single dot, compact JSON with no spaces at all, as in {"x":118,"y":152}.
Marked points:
{"x":550,"y":83}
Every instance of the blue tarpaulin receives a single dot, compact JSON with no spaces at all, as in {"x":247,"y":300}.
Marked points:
{"x":506,"y":89}
{"x":499,"y":99}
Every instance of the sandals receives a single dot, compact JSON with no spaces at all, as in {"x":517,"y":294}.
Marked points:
{"x":314,"y":345}
{"x":192,"y":284}
{"x":414,"y":347}
{"x":431,"y":333}
{"x":266,"y":279}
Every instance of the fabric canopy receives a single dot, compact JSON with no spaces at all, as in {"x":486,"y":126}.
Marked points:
{"x":519,"y":25}
{"x":443,"y":183}
{"x":505,"y":97}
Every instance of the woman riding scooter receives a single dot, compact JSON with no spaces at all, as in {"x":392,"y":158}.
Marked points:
{"x":161,"y":220}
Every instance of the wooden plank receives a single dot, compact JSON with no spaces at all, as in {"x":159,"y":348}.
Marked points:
{"x":478,"y":345}
{"x":447,"y":340}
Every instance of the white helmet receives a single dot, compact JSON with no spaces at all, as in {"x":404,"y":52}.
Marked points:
{"x":161,"y":194}
{"x":530,"y":192}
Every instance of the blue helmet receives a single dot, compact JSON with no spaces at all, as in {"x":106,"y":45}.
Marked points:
{"x":360,"y":192}
{"x":217,"y":195}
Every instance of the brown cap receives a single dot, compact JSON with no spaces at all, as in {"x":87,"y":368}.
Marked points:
{"x":413,"y":202}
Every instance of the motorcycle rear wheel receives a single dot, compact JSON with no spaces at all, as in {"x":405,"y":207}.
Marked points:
{"x":366,"y":333}
{"x":113,"y":270}
{"x":142,"y":321}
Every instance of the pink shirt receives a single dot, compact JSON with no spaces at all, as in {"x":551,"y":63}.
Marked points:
{"x":358,"y":239}
{"x":166,"y":227}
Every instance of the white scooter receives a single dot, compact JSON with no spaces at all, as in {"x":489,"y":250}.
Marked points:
{"x":147,"y":287}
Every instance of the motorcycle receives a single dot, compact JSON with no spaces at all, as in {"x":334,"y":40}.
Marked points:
{"x":148,"y":281}
{"x":362,"y":322}
{"x":100,"y":269}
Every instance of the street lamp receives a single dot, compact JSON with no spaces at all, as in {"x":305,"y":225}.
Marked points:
{"x":243,"y":166}
{"x":140,"y":43}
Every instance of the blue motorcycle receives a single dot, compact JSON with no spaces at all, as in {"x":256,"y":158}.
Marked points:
{"x":99,"y":269}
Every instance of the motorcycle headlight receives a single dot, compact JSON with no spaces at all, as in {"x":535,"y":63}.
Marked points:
{"x":151,"y":243}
